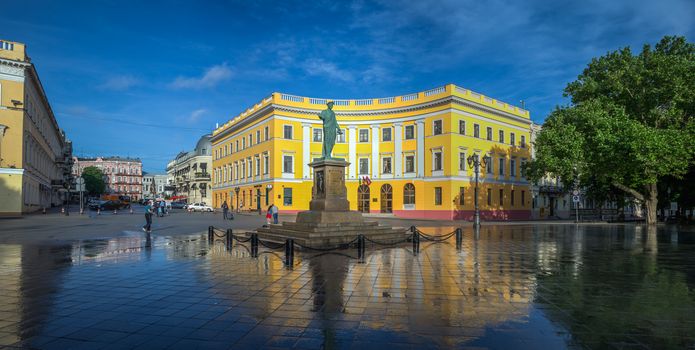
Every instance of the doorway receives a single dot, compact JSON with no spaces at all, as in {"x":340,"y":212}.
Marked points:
{"x":386,"y":199}
{"x":363,"y":198}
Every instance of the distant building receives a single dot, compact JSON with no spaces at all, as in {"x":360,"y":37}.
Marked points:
{"x":189,"y":176}
{"x":153,"y":186}
{"x":123,"y":176}
{"x":35,"y":154}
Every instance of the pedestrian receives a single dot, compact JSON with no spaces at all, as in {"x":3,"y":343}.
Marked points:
{"x":225,"y":210}
{"x":274,"y":211}
{"x":269,"y":214}
{"x":148,"y":217}
{"x":231,"y":212}
{"x":160,"y":209}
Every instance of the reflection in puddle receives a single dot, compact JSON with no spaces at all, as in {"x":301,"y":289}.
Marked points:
{"x":508,"y":287}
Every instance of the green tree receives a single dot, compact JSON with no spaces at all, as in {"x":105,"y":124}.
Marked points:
{"x":629,"y":125}
{"x":94,"y":180}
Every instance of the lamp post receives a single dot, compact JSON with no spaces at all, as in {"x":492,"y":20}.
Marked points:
{"x":475,"y":162}
{"x":236,"y":190}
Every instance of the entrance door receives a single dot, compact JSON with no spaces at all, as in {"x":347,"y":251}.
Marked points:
{"x":258,"y":199}
{"x":363,"y":198}
{"x":386,"y":199}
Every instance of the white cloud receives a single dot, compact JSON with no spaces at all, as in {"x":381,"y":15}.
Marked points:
{"x":119,"y":83}
{"x":195,"y":115}
{"x":317,"y":66}
{"x":213,"y":76}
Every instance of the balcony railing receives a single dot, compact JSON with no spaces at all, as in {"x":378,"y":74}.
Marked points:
{"x":205,"y":176}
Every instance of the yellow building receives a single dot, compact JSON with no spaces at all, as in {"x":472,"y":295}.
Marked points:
{"x":34,"y":153}
{"x":412,"y":148}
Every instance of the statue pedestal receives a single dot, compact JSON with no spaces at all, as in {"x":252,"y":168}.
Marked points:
{"x":329,"y":220}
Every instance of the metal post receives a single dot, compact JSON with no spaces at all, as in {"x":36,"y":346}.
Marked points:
{"x":459,"y":238}
{"x":416,"y":241}
{"x":230,"y":238}
{"x":211,"y":232}
{"x":476,"y":215}
{"x":289,"y":253}
{"x":254,"y":245}
{"x":81,"y":202}
{"x":360,"y":248}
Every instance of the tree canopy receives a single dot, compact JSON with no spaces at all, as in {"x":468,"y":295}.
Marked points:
{"x":629,"y":125}
{"x":94,"y":180}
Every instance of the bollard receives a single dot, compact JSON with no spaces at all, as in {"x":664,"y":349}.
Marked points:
{"x":416,"y":241}
{"x":289,"y":253}
{"x":254,"y":245}
{"x":62,"y":210}
{"x":211,"y":232}
{"x":131,"y":210}
{"x":44,"y":210}
{"x":115,"y":211}
{"x":360,"y":248}
{"x":230,"y":238}
{"x":459,"y":238}
{"x":98,"y":211}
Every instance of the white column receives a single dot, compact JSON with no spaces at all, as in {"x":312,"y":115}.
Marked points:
{"x":397,"y":149}
{"x":375,"y":151}
{"x":420,"y":148}
{"x":306,"y":149}
{"x":352,"y":150}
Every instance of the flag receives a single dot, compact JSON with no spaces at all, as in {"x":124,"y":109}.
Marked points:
{"x":366,"y":180}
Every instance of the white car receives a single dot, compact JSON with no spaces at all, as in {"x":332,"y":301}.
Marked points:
{"x":199,"y":207}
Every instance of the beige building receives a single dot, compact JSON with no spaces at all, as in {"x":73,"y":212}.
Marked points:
{"x":189,"y":173}
{"x":35,"y":155}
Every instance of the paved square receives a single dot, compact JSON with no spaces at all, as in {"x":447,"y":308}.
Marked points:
{"x":510,"y":286}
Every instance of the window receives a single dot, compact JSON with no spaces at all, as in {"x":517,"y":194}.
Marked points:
{"x":266,"y":133}
{"x":236,"y":171}
{"x":462,"y":196}
{"x":501,"y":166}
{"x":409,"y":194}
{"x":489,"y":133}
{"x":409,"y":132}
{"x":512,"y":168}
{"x":266,"y":162}
{"x":523,"y":198}
{"x":250,"y":140}
{"x":502,"y":136}
{"x":462,"y":161}
{"x":462,"y":127}
{"x":409,"y":164}
{"x":386,"y":165}
{"x":258,"y":136}
{"x":243,"y":169}
{"x":318,"y":135}
{"x":437,"y":161}
{"x":237,"y":145}
{"x":437,"y":127}
{"x":250,"y":167}
{"x":287,"y":164}
{"x":488,"y":167}
{"x":243,"y":143}
{"x":340,"y":138}
{"x":523,"y":141}
{"x":287,"y":132}
{"x":364,"y":135}
{"x":522,"y":170}
{"x":437,"y":196}
{"x":386,"y":134}
{"x":287,"y":196}
{"x":258,"y":166}
{"x":476,"y":130}
{"x":364,"y":166}
{"x":501,"y":196}
{"x":512,"y":139}
{"x":511,"y":199}
{"x":489,"y":196}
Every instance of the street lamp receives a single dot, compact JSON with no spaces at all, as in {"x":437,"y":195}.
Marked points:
{"x":474,"y":162}
{"x":236,"y":190}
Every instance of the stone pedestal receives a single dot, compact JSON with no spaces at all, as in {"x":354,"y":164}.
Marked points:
{"x":329,"y":220}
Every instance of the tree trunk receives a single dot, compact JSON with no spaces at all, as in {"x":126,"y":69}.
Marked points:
{"x":650,"y":203}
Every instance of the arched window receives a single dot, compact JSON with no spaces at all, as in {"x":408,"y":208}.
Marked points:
{"x":409,"y":194}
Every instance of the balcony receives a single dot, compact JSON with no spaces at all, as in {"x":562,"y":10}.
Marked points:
{"x":202,"y":176}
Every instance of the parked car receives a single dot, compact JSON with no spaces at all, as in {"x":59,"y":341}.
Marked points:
{"x":199,"y":207}
{"x":178,"y":205}
{"x":106,"y":205}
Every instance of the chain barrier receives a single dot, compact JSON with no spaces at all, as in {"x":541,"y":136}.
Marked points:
{"x":340,"y":246}
{"x":270,"y":246}
{"x":386,"y":243}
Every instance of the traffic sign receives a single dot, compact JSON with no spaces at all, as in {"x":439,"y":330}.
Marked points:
{"x":575,"y":199}
{"x":575,"y":192}
{"x":80,"y":188}
{"x":79,"y":181}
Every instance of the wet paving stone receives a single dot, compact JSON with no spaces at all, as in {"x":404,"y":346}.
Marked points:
{"x":508,"y":287}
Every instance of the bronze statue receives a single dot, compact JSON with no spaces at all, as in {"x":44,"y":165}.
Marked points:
{"x":330,"y":130}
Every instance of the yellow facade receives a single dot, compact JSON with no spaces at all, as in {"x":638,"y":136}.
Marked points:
{"x":33,"y":149}
{"x":418,"y":141}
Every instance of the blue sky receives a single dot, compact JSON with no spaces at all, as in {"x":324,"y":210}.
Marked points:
{"x":148,"y":79}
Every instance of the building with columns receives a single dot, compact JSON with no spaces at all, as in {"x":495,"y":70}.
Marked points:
{"x":407,"y":154}
{"x":189,"y":176}
{"x":122,"y":176}
{"x":35,"y":155}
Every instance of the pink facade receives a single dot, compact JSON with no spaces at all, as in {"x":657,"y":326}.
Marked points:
{"x":123,"y":176}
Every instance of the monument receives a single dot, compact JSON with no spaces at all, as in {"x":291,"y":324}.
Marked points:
{"x":329,"y":220}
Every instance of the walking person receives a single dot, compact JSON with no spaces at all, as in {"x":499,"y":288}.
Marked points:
{"x":148,"y":217}
{"x":269,"y":215}
{"x":225,"y":210}
{"x":274,"y":211}
{"x":160,"y":209}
